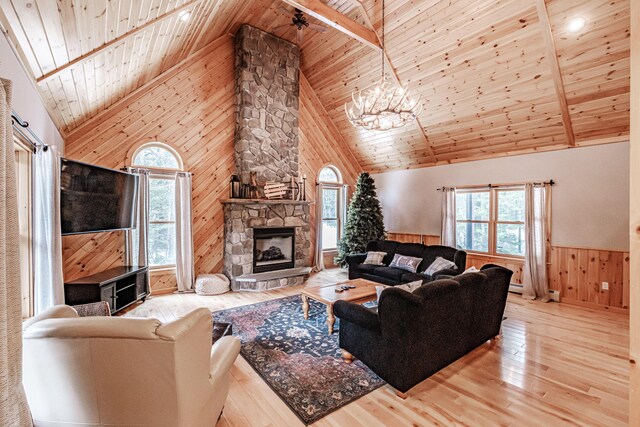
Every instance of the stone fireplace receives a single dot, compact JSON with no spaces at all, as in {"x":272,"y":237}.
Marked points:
{"x":267,"y":89}
{"x":273,"y":248}
{"x":267,"y":242}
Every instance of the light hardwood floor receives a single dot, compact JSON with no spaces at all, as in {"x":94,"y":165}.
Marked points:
{"x":555,"y":365}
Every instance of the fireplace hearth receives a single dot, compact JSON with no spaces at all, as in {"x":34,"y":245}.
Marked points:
{"x":273,"y":249}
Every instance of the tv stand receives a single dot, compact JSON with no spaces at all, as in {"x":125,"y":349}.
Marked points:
{"x":119,"y":286}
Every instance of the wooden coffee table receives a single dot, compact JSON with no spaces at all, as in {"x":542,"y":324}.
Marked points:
{"x":365,"y":290}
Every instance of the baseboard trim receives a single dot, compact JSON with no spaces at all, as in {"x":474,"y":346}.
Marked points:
{"x":517,"y":288}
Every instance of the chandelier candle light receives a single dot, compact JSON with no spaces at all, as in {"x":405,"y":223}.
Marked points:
{"x":383,"y":106}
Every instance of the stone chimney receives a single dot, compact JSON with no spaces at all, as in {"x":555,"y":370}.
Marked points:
{"x":267,"y":89}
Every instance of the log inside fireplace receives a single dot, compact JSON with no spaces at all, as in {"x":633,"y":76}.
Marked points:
{"x":273,"y":248}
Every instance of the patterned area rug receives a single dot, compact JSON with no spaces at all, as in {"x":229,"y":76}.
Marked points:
{"x":297,"y":358}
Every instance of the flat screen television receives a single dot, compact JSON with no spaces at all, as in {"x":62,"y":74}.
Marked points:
{"x":95,"y":199}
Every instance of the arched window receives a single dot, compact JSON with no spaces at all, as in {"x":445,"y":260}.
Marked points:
{"x":329,"y":174}
{"x":162,"y":161}
{"x":156,"y":155}
{"x":333,"y":206}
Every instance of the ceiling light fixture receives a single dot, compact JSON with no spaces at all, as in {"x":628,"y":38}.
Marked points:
{"x":576,"y":24}
{"x":384,"y":106}
{"x":184,"y":15}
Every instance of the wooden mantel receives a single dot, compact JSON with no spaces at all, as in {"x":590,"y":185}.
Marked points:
{"x":267,"y":201}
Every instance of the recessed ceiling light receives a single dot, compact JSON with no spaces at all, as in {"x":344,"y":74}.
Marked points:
{"x":576,"y":24}
{"x":184,"y":15}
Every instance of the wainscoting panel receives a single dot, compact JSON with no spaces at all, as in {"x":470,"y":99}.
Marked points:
{"x":577,"y":273}
{"x":425,"y":239}
{"x":514,"y":264}
{"x":191,"y":108}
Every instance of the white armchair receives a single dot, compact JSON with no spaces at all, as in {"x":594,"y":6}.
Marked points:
{"x":107,"y":371}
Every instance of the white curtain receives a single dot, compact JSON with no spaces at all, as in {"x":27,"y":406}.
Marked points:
{"x":448,"y":229}
{"x":138,"y":237}
{"x":47,"y":237}
{"x":184,"y":237}
{"x":13,"y":403}
{"x":535,"y":284}
{"x":319,"y":256}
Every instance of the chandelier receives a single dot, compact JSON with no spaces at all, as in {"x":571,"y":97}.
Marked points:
{"x":384,"y":106}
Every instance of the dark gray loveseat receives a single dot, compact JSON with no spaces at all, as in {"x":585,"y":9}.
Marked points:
{"x":395,"y":276}
{"x":414,"y":335}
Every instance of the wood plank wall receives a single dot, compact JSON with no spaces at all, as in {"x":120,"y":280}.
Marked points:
{"x":577,"y":273}
{"x":634,"y":221}
{"x":190,"y":107}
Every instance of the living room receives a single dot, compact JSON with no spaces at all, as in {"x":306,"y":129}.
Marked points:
{"x":383,"y":212}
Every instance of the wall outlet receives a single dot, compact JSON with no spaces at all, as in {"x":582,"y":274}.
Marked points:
{"x":605,"y":286}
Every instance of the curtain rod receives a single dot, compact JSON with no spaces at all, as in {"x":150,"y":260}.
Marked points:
{"x":490,"y":186}
{"x":32,"y":138}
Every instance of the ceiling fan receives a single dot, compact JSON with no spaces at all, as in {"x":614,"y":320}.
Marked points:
{"x":299,"y":21}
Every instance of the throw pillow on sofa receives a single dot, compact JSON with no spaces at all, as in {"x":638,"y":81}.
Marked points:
{"x":405,"y":262}
{"x":375,"y":258}
{"x":439,"y":264}
{"x":471,"y":269}
{"x":409,"y":287}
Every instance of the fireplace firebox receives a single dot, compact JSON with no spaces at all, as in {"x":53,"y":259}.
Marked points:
{"x":273,"y":248}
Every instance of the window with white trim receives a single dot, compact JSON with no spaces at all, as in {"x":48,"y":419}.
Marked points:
{"x":491,"y":221}
{"x":333,"y":203}
{"x":162,"y":162}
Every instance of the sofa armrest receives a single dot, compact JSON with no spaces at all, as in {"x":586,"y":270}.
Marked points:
{"x":355,"y":259}
{"x":186,"y":324}
{"x":223,"y":354}
{"x":460,"y":259}
{"x":357,"y":314}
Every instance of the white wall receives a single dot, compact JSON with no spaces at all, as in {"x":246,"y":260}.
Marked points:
{"x":590,"y":201}
{"x":26,"y":100}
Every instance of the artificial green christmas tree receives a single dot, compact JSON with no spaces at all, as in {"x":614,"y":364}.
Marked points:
{"x":364,"y":220}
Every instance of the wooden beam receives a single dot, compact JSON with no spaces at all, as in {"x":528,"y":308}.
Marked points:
{"x":634,"y":288}
{"x":335,"y":19}
{"x":396,"y":79}
{"x":45,"y":77}
{"x":552,"y":56}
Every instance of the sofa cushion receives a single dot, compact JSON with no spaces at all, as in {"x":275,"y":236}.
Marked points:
{"x":375,"y":258}
{"x":366,"y":268}
{"x":415,"y":250}
{"x":390,"y":273}
{"x":388,"y":246}
{"x":432,"y":252}
{"x":412,"y":277}
{"x":406,"y":262}
{"x":439,"y":264}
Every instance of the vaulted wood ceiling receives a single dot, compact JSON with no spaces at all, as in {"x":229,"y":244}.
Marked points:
{"x":497,"y":77}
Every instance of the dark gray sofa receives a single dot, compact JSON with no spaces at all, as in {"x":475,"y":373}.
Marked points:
{"x":414,"y":335}
{"x":395,"y":276}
